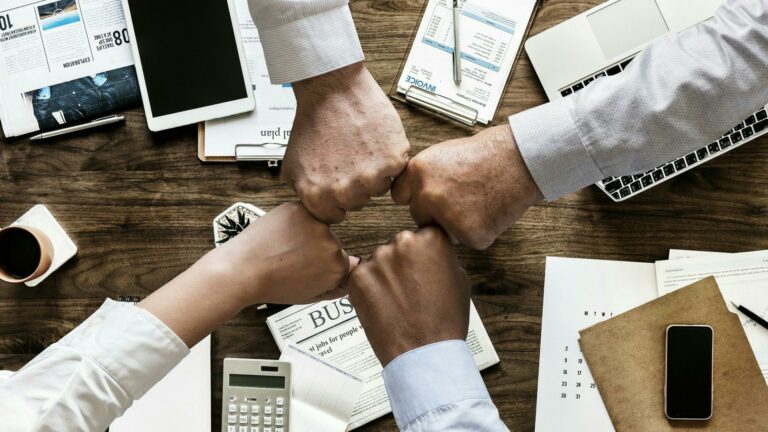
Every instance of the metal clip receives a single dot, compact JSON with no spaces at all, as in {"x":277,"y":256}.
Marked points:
{"x":271,"y":153}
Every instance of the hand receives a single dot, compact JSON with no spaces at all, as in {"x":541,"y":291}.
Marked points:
{"x":285,"y":257}
{"x":475,"y":188}
{"x":411,"y":293}
{"x":346,"y":145}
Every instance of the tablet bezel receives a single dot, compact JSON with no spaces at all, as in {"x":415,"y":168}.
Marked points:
{"x":183,"y":118}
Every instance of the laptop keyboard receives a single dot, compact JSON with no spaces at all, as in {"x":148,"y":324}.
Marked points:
{"x":623,"y":187}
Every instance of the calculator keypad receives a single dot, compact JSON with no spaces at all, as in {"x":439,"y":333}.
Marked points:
{"x":251,"y":416}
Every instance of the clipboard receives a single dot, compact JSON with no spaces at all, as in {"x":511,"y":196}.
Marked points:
{"x":422,"y":97}
{"x":625,"y":355}
{"x":270,"y":153}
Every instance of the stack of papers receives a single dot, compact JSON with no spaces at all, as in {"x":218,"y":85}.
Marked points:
{"x":580,"y":293}
{"x":63,"y":62}
{"x":322,"y":395}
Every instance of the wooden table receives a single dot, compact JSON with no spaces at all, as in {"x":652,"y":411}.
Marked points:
{"x":140,"y":205}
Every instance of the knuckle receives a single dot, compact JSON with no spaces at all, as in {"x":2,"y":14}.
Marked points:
{"x":381,"y":253}
{"x":405,"y":237}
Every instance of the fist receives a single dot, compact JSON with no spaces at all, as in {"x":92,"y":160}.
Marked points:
{"x":346,"y":145}
{"x":286,"y":257}
{"x":475,"y":188}
{"x":411,"y":293}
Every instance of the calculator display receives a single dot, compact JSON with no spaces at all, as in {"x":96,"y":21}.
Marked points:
{"x":257,"y":381}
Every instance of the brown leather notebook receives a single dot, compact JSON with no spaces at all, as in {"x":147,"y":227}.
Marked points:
{"x":626,"y":357}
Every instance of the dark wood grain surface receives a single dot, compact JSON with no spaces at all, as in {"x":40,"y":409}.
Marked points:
{"x":140,"y":205}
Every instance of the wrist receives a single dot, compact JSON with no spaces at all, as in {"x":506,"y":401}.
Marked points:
{"x":522,"y":179}
{"x":331,"y":84}
{"x":241,"y":283}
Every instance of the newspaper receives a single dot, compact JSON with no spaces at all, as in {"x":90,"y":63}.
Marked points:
{"x":332,"y":330}
{"x":63,"y":62}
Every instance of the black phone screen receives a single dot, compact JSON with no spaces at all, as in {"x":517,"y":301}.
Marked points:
{"x":188,"y":52}
{"x":689,"y":372}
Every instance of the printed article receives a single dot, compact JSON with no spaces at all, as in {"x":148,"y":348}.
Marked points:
{"x":63,"y":62}
{"x":332,"y":331}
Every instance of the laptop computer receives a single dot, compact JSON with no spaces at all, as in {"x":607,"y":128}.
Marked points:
{"x":603,"y":41}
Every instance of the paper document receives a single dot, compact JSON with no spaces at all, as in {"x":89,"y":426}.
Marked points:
{"x":322,"y":395}
{"x":181,"y":401}
{"x":743,"y":279}
{"x":331,"y":330}
{"x":491,"y":35}
{"x":63,"y":62}
{"x":577,"y":294}
{"x":272,"y":120}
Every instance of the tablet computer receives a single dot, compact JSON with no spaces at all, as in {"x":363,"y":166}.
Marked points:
{"x":189,"y":59}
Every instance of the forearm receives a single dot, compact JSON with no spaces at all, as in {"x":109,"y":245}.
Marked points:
{"x":679,"y":94}
{"x":199,"y":300}
{"x":305,"y":38}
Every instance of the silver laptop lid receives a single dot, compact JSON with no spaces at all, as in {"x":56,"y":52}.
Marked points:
{"x":608,"y":34}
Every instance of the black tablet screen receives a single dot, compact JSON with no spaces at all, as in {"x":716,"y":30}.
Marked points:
{"x":188,"y":52}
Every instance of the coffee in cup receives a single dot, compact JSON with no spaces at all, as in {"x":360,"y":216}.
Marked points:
{"x":25,"y":254}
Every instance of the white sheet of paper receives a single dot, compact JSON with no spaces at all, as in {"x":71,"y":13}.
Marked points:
{"x":322,"y":395}
{"x":491,"y":35}
{"x":272,"y":120}
{"x":684,"y":253}
{"x":743,"y":279}
{"x":577,"y":294}
{"x":181,"y":401}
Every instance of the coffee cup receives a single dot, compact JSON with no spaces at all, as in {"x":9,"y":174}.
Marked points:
{"x":26,"y":253}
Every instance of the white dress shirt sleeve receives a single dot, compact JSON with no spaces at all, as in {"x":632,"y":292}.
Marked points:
{"x":93,"y":374}
{"x":681,"y":93}
{"x":305,"y":38}
{"x":438,"y":388}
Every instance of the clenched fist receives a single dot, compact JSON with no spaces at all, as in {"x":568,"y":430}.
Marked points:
{"x":410,"y":294}
{"x":347,"y":143}
{"x":475,"y":188}
{"x":285,"y":257}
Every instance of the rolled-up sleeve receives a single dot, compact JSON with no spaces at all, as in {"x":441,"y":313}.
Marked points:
{"x":438,"y":388}
{"x":305,"y":38}
{"x":92,"y":375}
{"x":681,"y":93}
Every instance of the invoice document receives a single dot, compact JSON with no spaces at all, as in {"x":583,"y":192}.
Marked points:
{"x":491,"y":35}
{"x":579,"y":293}
{"x":743,"y":279}
{"x":271,"y":121}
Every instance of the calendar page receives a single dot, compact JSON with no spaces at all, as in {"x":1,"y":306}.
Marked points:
{"x":579,"y":293}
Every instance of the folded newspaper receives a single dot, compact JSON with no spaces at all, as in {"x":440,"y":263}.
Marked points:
{"x":63,"y":62}
{"x":331,"y":330}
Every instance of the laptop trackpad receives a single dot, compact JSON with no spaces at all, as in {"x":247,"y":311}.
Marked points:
{"x":626,"y":24}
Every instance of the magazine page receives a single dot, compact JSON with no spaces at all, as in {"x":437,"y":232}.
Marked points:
{"x":63,"y":62}
{"x":331,"y":330}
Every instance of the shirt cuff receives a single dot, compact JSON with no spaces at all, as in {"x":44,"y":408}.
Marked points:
{"x":427,"y":378}
{"x":131,"y":344}
{"x":311,"y":46}
{"x":551,"y":147}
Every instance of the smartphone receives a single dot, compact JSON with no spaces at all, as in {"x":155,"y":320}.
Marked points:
{"x":688,"y":382}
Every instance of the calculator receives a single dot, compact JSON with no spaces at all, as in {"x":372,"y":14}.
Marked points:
{"x":256,"y":396}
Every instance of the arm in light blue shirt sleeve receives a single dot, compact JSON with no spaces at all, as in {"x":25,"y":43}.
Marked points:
{"x":438,"y":388}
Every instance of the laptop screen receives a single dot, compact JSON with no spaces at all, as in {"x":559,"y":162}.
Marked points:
{"x":627,"y":24}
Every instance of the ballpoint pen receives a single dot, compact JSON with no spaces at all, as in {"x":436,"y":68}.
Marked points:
{"x":95,"y":123}
{"x":456,"y":42}
{"x":755,"y":317}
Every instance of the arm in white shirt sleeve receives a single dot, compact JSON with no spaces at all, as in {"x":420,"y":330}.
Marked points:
{"x":438,"y":388}
{"x":681,"y":93}
{"x":93,"y":374}
{"x":305,"y":38}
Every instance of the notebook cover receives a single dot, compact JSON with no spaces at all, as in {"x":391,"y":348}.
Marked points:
{"x":626,"y":356}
